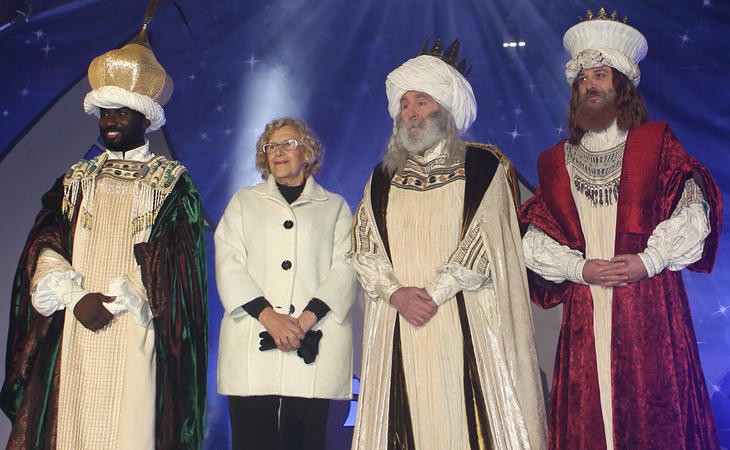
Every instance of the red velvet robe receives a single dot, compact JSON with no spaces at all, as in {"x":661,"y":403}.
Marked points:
{"x":659,"y":395}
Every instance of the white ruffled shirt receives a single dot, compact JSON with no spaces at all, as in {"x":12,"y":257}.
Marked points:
{"x":63,"y":288}
{"x":674,"y":244}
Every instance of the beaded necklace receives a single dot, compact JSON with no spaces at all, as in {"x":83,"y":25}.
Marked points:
{"x":597,"y":175}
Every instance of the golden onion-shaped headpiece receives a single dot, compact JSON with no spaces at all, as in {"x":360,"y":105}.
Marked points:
{"x":131,"y":76}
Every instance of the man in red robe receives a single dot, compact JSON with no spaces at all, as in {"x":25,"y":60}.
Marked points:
{"x":619,"y":210}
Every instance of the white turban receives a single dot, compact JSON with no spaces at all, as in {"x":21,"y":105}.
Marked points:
{"x":113,"y":97}
{"x":602,"y":42}
{"x":438,"y":79}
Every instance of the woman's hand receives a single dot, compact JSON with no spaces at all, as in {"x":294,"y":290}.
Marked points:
{"x":285,"y":330}
{"x":306,"y":320}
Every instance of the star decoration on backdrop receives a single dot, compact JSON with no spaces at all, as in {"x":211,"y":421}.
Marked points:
{"x":38,"y":34}
{"x":515,"y":134}
{"x":219,"y":108}
{"x":531,"y":86}
{"x":220,"y":85}
{"x":203,"y":135}
{"x":23,"y":92}
{"x":517,"y":111}
{"x":722,"y":310}
{"x":192,"y":77}
{"x":227,"y":132}
{"x":5,"y":113}
{"x":715,"y":388}
{"x":252,"y":61}
{"x":560,"y":130}
{"x":47,"y":48}
{"x":706,"y":3}
{"x":684,"y":37}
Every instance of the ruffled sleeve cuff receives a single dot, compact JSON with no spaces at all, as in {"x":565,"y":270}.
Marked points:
{"x":387,"y":284}
{"x":127,"y":299}
{"x":452,"y":278}
{"x":56,"y":291}
{"x":375,"y":274}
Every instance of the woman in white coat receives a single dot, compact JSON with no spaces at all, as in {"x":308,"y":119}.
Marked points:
{"x":286,"y":335}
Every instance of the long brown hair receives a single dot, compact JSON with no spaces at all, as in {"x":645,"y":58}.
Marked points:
{"x":629,"y":104}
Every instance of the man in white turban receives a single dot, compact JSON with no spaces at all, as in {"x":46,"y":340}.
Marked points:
{"x":449,"y":356}
{"x":109,"y":331}
{"x":620,"y":209}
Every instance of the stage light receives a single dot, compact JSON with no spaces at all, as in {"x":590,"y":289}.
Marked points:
{"x":270,"y":92}
{"x":512,"y":44}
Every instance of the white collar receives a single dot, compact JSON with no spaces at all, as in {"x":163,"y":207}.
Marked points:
{"x":431,"y":154}
{"x":603,"y":140}
{"x":141,"y":153}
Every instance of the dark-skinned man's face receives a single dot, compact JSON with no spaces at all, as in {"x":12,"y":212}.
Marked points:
{"x":122,"y":129}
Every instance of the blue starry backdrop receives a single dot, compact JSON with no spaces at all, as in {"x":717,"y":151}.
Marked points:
{"x":250,"y":61}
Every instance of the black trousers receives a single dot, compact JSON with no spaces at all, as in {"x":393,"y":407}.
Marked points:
{"x":272,"y":422}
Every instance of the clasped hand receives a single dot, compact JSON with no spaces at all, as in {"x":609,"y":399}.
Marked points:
{"x":92,"y":313}
{"x":619,"y":271}
{"x":286,"y":331}
{"x":414,"y":304}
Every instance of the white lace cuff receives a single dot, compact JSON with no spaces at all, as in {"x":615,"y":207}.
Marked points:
{"x":375,"y":274}
{"x":127,"y":299}
{"x":386,"y":285}
{"x":452,"y":278}
{"x":56,"y":291}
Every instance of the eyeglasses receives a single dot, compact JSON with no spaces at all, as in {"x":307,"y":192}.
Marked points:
{"x":289,"y":144}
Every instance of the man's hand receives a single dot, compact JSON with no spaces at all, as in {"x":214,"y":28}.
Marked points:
{"x":414,"y":304}
{"x":306,"y":320}
{"x":283,"y":328}
{"x":635,"y":268}
{"x":90,"y":311}
{"x":605,"y":273}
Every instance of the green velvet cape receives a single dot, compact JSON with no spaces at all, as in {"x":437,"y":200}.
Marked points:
{"x":174,"y":273}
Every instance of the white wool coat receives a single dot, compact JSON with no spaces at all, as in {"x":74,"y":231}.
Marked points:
{"x":251,"y":245}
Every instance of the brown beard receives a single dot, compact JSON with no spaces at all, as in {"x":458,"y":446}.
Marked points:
{"x":596,"y":116}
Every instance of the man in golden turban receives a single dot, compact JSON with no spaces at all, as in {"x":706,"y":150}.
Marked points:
{"x":108,"y":333}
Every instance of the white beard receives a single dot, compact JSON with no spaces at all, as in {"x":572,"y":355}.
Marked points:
{"x":417,"y":136}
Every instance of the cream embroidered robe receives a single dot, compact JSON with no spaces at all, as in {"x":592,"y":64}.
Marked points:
{"x":424,"y":219}
{"x":107,"y":380}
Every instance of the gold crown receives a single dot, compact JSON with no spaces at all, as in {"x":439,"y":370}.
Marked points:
{"x":602,"y":16}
